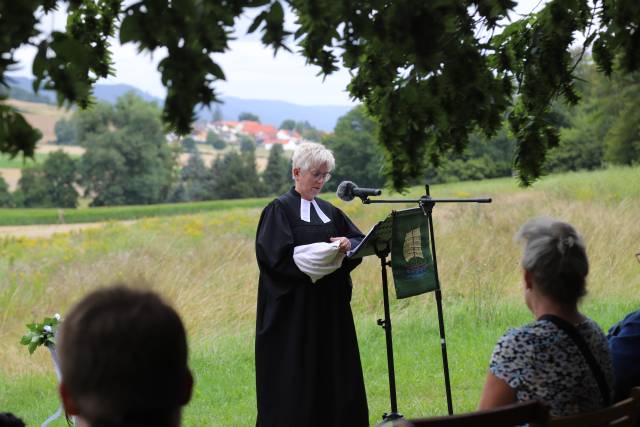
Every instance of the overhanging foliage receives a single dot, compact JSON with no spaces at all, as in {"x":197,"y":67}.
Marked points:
{"x":430,"y":72}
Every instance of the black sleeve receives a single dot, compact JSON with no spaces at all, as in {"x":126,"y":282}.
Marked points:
{"x":274,"y":250}
{"x":349,"y":230}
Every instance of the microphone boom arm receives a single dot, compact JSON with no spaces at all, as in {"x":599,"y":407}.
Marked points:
{"x":426,"y":199}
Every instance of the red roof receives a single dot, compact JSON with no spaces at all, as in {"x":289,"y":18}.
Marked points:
{"x":255,"y":129}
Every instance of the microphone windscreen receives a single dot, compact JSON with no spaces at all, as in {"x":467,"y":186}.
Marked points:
{"x":345,"y":191}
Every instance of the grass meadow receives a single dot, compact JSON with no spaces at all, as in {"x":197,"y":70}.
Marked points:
{"x":204,"y":264}
{"x":36,"y":216}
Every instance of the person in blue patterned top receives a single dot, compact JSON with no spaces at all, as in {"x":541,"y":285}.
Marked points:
{"x":542,"y":360}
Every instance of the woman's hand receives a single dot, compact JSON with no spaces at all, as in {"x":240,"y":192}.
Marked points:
{"x":345,"y":244}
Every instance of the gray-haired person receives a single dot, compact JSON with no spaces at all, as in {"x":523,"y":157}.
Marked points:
{"x":308,"y":370}
{"x":561,"y":358}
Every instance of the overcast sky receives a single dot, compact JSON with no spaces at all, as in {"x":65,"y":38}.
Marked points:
{"x":251,"y":70}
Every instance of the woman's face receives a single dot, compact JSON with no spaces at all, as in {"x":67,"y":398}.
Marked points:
{"x":309,"y":183}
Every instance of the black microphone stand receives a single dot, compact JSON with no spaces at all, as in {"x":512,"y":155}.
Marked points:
{"x":426,"y":203}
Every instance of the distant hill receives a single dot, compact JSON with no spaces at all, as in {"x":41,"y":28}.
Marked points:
{"x":103,"y":92}
{"x":323,"y":117}
{"x":24,"y":92}
{"x":110,"y":93}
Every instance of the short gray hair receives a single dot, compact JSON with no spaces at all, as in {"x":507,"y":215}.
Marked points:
{"x":555,"y":254}
{"x":310,"y":154}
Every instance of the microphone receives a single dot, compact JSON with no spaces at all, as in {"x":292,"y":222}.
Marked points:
{"x":347,"y":190}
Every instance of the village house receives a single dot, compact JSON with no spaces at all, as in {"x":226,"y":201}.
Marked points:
{"x":263,"y":134}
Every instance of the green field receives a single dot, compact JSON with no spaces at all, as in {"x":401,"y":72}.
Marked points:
{"x":604,"y":186}
{"x":117,"y":213}
{"x":204,"y":264}
{"x":20,"y":162}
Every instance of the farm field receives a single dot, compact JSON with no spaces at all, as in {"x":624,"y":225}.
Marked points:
{"x":11,"y":217}
{"x":204,"y":264}
{"x":41,"y":116}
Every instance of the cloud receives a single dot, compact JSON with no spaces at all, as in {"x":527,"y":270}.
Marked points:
{"x":253,"y":72}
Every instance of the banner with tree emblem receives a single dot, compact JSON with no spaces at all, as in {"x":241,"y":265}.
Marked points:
{"x":411,"y":260}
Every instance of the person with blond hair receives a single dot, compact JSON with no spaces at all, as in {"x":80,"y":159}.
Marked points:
{"x":562,"y":358}
{"x":308,"y":370}
{"x":123,"y":360}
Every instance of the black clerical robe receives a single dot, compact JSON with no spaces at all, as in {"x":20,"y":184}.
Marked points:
{"x":308,"y":370}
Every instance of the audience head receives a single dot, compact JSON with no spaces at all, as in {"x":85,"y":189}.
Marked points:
{"x":555,"y":258}
{"x":123,"y":359}
{"x":7,"y":419}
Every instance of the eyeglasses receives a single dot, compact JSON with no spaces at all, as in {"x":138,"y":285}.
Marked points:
{"x":325,"y":176}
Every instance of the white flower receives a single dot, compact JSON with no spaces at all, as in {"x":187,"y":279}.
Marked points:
{"x":47,"y":328}
{"x":57,"y":316}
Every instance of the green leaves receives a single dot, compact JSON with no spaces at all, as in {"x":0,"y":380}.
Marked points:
{"x":130,"y":29}
{"x":40,"y":64}
{"x":257,"y":21}
{"x":426,"y":97}
{"x":429,"y":72}
{"x":275,"y":33}
{"x":190,"y":31}
{"x":16,"y":135}
{"x":535,"y":52}
{"x":41,"y":333}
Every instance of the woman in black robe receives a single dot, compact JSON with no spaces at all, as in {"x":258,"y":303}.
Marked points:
{"x":308,"y":370}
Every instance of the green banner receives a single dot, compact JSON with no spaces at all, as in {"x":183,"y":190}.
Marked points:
{"x":411,"y":260}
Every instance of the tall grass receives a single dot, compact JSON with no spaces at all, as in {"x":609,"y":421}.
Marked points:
{"x":205,"y":265}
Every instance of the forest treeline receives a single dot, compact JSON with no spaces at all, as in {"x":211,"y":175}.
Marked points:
{"x":128,"y":159}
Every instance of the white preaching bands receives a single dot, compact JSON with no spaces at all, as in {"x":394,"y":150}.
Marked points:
{"x":305,"y":211}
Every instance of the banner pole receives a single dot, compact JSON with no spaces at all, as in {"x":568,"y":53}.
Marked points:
{"x":386,"y":325}
{"x":427,"y":207}
{"x":426,"y":204}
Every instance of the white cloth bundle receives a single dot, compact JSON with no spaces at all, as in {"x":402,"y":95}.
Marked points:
{"x":318,"y":259}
